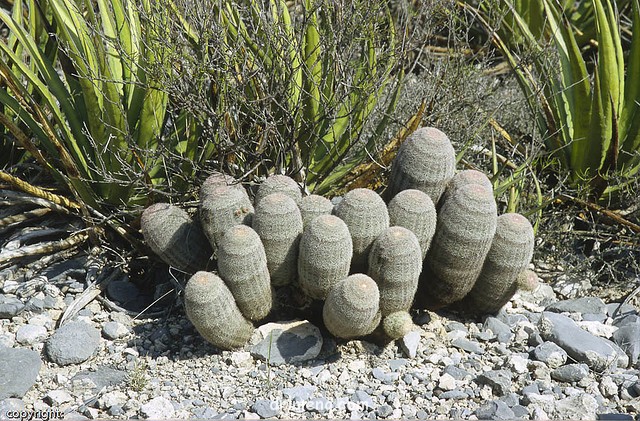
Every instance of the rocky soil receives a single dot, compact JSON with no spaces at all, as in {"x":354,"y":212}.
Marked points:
{"x":553,"y":353}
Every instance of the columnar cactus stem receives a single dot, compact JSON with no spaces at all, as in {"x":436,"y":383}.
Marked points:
{"x":463,"y":178}
{"x":510,"y":254}
{"x":278,"y":184}
{"x":426,"y":161}
{"x":325,"y":255}
{"x":242,"y":264}
{"x":313,"y":206}
{"x":278,"y":222}
{"x":352,"y":307}
{"x":222,"y":207}
{"x":172,"y":235}
{"x":396,"y":325}
{"x":415,"y":211}
{"x":465,"y":229}
{"x":395,"y":263}
{"x":366,"y":215}
{"x":211,"y":308}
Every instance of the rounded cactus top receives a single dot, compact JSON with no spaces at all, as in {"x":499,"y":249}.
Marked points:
{"x":202,"y":285}
{"x":328,"y":228}
{"x":466,"y":177}
{"x":528,"y":280}
{"x":360,"y":290}
{"x":278,"y":183}
{"x":276,"y":204}
{"x":238,"y":238}
{"x":428,"y":152}
{"x":413,"y":201}
{"x":395,"y":241}
{"x":361,"y":199}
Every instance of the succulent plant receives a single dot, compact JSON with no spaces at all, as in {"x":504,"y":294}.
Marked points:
{"x":366,"y":216}
{"x":464,"y":178}
{"x":222,"y":207}
{"x":426,"y":161}
{"x":211,"y":308}
{"x":527,"y":280}
{"x":395,"y":263}
{"x":278,"y":184}
{"x":325,"y":255}
{"x":352,"y":307}
{"x":510,"y":254}
{"x":175,"y":237}
{"x":313,"y":206}
{"x":396,"y":325}
{"x":464,"y":232}
{"x":242,"y":264}
{"x":414,"y":210}
{"x":278,"y":222}
{"x":217,"y":179}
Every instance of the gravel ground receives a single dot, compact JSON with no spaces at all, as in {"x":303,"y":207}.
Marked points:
{"x":544,"y":356}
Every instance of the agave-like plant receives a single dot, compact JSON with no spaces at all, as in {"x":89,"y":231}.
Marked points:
{"x":591,"y":122}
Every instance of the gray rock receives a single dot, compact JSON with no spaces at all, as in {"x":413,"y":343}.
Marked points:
{"x":363,"y":399}
{"x":545,"y":402}
{"x":30,"y":334}
{"x":422,"y":415}
{"x":615,"y":417}
{"x":627,"y":337}
{"x":578,"y":407}
{"x":456,"y":372}
{"x":123,"y":291}
{"x":456,"y":394}
{"x":19,"y":369}
{"x":550,"y":354}
{"x":499,"y":328}
{"x":467,"y":345}
{"x":266,"y":408}
{"x":10,"y":404}
{"x":73,"y":343}
{"x":570,"y":373}
{"x":579,"y":305}
{"x":494,"y":410}
{"x":158,"y":408}
{"x":615,"y":310}
{"x":629,"y":319}
{"x":384,"y":377}
{"x":10,"y":306}
{"x":114,"y":330}
{"x":102,"y":377}
{"x":320,"y":405}
{"x":409,"y":411}
{"x":597,"y":353}
{"x":299,"y":393}
{"x":56,"y":398}
{"x":384,"y":411}
{"x":287,"y":342}
{"x":499,"y":380}
{"x":520,"y":412}
{"x":409,"y":343}
{"x":590,"y":317}
{"x":395,"y":364}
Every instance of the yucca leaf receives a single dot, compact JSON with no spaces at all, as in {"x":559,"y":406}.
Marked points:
{"x":630,"y":117}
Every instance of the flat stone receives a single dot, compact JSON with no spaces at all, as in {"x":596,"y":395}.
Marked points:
{"x":384,"y":411}
{"x":499,"y":380}
{"x":158,"y":408}
{"x":115,"y":398}
{"x":287,"y":342}
{"x":545,"y":402}
{"x":570,"y":373}
{"x":19,"y":369}
{"x":10,"y":306}
{"x":31,"y":334}
{"x":266,"y":408}
{"x":592,"y":305}
{"x":456,"y":394}
{"x":577,"y":407}
{"x":499,"y":328}
{"x":615,"y":417}
{"x":598,"y":353}
{"x":456,"y":372}
{"x":467,"y":345}
{"x":363,"y":399}
{"x":397,"y":363}
{"x":629,"y":319}
{"x":73,"y":343}
{"x":319,"y":404}
{"x":627,"y":337}
{"x":550,"y":354}
{"x":520,"y":412}
{"x":494,"y":410}
{"x":614,"y":309}
{"x":598,"y":328}
{"x":114,"y":330}
{"x":446,"y":382}
{"x":102,"y":377}
{"x":409,"y":344}
{"x":383,"y":376}
{"x":299,"y":393}
{"x":10,"y":404}
{"x":57,"y":397}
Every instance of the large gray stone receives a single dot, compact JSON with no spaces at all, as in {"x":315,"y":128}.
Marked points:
{"x":10,"y":306}
{"x":266,"y":408}
{"x":597,"y":353}
{"x":103,"y":376}
{"x":570,"y":373}
{"x":577,"y":407}
{"x":499,"y":380}
{"x":628,"y":338}
{"x":18,"y":371}
{"x":287,"y":342}
{"x":550,"y":354}
{"x":73,"y":343}
{"x":494,"y":410}
{"x":592,"y":305}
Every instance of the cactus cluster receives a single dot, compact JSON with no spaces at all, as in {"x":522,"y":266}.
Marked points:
{"x":437,"y":242}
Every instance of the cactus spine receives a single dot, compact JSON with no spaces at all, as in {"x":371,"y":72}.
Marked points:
{"x":510,"y":254}
{"x":211,"y":308}
{"x":242,"y":264}
{"x":395,"y":263}
{"x":366,"y":215}
{"x":325,"y":255}
{"x":352,"y":307}
{"x":415,"y":211}
{"x":313,"y":206}
{"x":396,"y":325}
{"x":426,"y":161}
{"x":464,"y":178}
{"x":172,"y":235}
{"x":222,"y":207}
{"x":466,"y":225}
{"x":278,"y":184}
{"x":278,"y":222}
